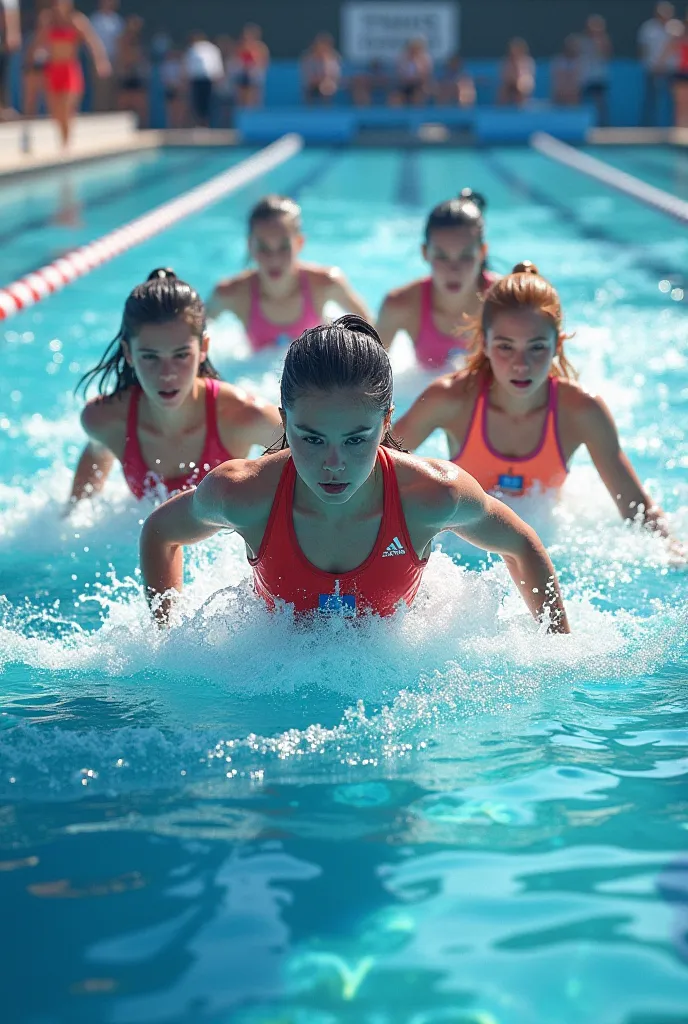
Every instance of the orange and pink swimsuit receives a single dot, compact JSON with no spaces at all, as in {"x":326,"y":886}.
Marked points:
{"x":389,"y":576}
{"x":513,"y":475}
{"x":264,"y":333}
{"x":144,"y":481}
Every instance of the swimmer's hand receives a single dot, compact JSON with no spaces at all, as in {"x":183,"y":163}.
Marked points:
{"x":176,"y":522}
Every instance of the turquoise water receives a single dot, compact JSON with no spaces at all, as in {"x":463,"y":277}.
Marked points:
{"x":445,"y":818}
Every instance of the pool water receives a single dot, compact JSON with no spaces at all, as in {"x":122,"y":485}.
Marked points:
{"x":447,"y":817}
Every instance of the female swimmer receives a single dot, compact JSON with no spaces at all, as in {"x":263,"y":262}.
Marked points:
{"x":341,"y":520}
{"x":434,"y":310}
{"x":61,"y":33}
{"x":168,"y":419}
{"x":515,"y":415}
{"x":283,"y":297}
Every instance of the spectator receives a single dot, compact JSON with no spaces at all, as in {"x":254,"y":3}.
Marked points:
{"x":173,"y":82}
{"x":653,"y":40}
{"x":35,"y":59}
{"x":321,"y":69}
{"x":517,"y":74}
{"x":63,"y":31}
{"x":566,"y":74}
{"x":414,"y":75}
{"x":595,"y":51}
{"x":204,"y":67}
{"x":677,"y":52}
{"x":10,"y":42}
{"x":455,"y":86}
{"x":225,"y":88}
{"x":133,"y":70}
{"x":370,"y":85}
{"x":108,"y":25}
{"x":253,"y":58}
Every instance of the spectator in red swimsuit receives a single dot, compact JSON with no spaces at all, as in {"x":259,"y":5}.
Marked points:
{"x":62,"y":33}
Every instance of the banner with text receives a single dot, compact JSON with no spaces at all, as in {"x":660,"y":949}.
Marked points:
{"x":379,"y":30}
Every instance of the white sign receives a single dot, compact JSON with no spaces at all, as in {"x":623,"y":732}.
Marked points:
{"x":380,"y":29}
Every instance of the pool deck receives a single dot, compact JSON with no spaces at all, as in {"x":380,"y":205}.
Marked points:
{"x":90,"y":145}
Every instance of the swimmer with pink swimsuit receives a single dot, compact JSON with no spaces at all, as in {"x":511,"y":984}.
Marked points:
{"x":162,"y":410}
{"x":436,"y":311}
{"x":282,"y":297}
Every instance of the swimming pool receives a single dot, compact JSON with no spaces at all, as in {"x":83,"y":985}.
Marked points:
{"x":446,"y":818}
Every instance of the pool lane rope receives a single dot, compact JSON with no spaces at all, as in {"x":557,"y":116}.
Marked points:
{"x":35,"y":287}
{"x":657,"y":198}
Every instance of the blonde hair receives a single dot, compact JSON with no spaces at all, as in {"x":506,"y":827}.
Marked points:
{"x":523,"y":288}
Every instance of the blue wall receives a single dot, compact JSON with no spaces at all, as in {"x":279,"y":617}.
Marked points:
{"x":283,"y":89}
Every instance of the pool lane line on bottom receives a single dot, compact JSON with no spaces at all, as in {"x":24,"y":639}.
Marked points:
{"x":652,"y":196}
{"x":523,"y":186}
{"x":41,"y":283}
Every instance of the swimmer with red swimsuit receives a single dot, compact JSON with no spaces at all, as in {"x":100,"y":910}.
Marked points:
{"x":282,"y":297}
{"x":434,"y":311}
{"x":62,"y":32}
{"x":169,"y":419}
{"x":340,"y":520}
{"x":515,"y":415}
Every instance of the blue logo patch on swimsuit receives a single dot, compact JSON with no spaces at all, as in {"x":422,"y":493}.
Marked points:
{"x":509,"y":483}
{"x":337,"y":604}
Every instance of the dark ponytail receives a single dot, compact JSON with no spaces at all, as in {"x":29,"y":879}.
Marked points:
{"x":161,"y":299}
{"x":345,"y":354}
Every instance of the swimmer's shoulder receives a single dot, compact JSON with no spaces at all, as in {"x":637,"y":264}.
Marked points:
{"x":582,"y":415}
{"x":238,"y":410}
{"x":434,"y":492}
{"x":104,"y":419}
{"x":451,"y":395}
{"x":232,"y":294}
{"x":242,"y":490}
{"x":404,"y":299}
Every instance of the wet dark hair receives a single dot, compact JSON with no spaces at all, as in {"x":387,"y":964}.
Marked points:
{"x":273,"y":206}
{"x":345,"y":354}
{"x":159,"y":300}
{"x":464,"y":211}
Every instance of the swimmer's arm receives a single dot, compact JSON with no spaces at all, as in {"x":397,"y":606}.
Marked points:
{"x":340,"y":291}
{"x":427,"y":413}
{"x":391,"y":319}
{"x":91,"y":472}
{"x":94,"y":45}
{"x":223,"y":299}
{"x":99,"y":420}
{"x":616,"y":472}
{"x":491,"y":525}
{"x":186,"y":518}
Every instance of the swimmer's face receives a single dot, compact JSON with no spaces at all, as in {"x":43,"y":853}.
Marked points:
{"x":275,"y":245}
{"x":521,"y":346}
{"x":334,"y":437}
{"x":456,"y":256}
{"x":166,"y":359}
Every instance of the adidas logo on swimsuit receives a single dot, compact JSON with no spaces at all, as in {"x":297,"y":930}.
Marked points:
{"x":395,"y":548}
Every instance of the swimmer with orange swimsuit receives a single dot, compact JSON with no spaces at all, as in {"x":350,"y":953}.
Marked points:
{"x":282,"y":297}
{"x":515,"y":415}
{"x":61,"y":33}
{"x":168,"y":419}
{"x":340,"y":520}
